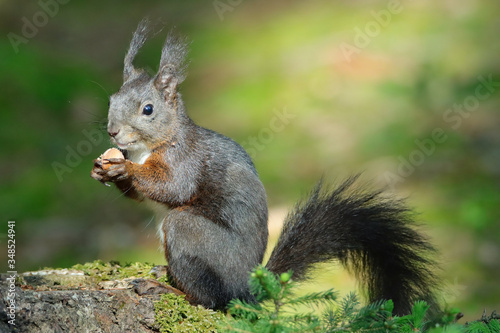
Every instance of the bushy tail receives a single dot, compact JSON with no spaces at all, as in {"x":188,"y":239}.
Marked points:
{"x":371,"y":236}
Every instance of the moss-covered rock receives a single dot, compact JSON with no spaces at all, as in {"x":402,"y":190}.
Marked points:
{"x":113,"y":270}
{"x":102,"y":297}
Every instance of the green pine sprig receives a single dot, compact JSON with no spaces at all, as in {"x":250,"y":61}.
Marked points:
{"x":275,"y":310}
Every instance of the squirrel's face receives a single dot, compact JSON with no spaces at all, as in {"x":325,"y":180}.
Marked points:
{"x":140,"y":117}
{"x":147,"y":111}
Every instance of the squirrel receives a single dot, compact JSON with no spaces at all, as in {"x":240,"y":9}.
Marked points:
{"x":213,"y":206}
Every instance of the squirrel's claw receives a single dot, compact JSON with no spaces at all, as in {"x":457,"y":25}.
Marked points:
{"x":115,"y":160}
{"x":115,"y":170}
{"x":98,"y":174}
{"x":98,"y":162}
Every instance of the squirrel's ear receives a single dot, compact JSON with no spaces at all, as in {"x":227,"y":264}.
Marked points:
{"x":172,"y":64}
{"x":138,"y":40}
{"x":166,"y":82}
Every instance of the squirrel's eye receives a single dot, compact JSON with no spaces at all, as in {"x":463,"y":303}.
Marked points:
{"x":148,"y":110}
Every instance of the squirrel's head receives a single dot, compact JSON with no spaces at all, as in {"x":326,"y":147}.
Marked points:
{"x":148,"y":110}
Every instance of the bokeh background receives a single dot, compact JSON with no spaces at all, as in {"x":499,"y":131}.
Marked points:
{"x":406,"y":92}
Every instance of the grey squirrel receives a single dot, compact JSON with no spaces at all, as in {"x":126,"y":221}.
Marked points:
{"x":214,"y":206}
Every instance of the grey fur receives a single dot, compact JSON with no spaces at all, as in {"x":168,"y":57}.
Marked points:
{"x":215,"y":231}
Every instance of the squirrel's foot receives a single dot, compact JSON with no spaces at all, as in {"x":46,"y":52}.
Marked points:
{"x":159,"y":271}
{"x":153,"y":287}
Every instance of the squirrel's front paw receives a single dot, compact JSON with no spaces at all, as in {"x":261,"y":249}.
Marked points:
{"x":111,"y":170}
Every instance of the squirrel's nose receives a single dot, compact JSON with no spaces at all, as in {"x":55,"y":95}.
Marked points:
{"x":113,"y":134}
{"x":113,"y":131}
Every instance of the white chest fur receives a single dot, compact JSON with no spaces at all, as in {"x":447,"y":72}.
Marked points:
{"x":139,"y":155}
{"x":160,"y":212}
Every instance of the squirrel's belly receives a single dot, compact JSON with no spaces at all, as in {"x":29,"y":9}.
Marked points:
{"x":160,"y":212}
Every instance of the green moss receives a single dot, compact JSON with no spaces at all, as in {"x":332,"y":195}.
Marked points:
{"x":113,"y":270}
{"x":163,"y":279}
{"x":175,"y":314}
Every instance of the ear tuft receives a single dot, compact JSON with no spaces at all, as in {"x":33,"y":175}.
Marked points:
{"x":173,"y":64}
{"x":140,"y":36}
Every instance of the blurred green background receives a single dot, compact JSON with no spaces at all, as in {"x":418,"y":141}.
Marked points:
{"x":405,"y":91}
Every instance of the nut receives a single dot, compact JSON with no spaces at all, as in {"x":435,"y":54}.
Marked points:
{"x":110,"y":153}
